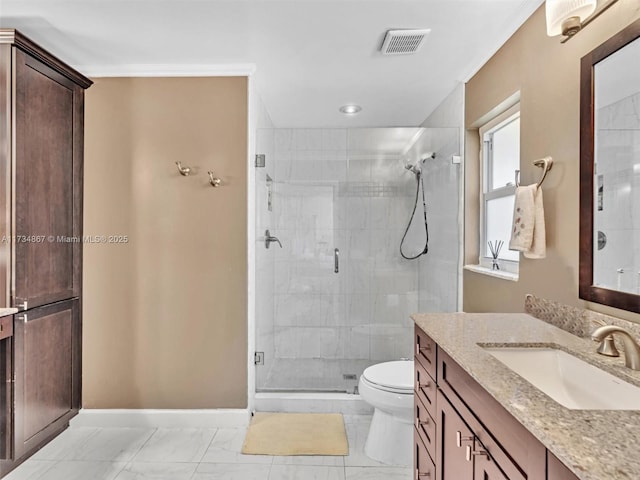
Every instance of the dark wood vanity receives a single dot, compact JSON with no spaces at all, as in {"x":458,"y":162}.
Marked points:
{"x":41,"y":171}
{"x":463,"y":433}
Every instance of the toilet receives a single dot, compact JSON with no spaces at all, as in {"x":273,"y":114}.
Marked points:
{"x":388,"y":388}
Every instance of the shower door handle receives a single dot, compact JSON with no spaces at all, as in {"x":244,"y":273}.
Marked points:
{"x":336,"y":260}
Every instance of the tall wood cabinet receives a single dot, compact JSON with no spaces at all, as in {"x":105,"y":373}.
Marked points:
{"x":41,"y":170}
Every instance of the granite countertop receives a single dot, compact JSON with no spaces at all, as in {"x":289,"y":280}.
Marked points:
{"x":7,"y":311}
{"x":593,"y":444}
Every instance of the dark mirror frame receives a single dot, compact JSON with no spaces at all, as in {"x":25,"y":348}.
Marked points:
{"x":587,"y":291}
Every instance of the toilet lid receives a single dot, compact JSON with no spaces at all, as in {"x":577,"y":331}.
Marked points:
{"x":397,"y":375}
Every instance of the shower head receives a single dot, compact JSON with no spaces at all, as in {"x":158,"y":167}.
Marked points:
{"x":416,"y":168}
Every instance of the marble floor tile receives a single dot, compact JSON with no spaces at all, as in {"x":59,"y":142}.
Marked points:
{"x":377,"y":473}
{"x":112,"y":444}
{"x":357,"y":436}
{"x":31,"y":470}
{"x":354,"y":419}
{"x":298,"y":472}
{"x":231,"y":471}
{"x":176,"y":445}
{"x":317,"y":460}
{"x":82,"y":453}
{"x":83,"y":470}
{"x":226,"y":447}
{"x":157,"y":471}
{"x":65,"y":444}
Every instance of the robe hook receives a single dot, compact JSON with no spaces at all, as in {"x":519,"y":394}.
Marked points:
{"x":214,"y":181}
{"x":185,"y":171}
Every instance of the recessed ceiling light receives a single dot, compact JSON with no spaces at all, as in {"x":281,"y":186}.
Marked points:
{"x":350,"y":109}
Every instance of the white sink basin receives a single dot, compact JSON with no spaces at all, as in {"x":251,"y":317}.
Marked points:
{"x":568,"y":380}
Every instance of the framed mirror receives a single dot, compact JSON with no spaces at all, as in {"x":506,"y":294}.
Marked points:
{"x":610,"y":172}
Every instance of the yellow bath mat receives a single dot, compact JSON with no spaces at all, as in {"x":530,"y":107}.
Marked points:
{"x":296,"y":434}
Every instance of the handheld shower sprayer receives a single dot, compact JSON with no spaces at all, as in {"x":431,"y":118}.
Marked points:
{"x":416,"y":168}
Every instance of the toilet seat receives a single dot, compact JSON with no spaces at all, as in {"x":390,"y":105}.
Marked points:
{"x":393,"y":377}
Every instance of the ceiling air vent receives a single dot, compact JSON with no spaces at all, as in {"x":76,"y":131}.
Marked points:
{"x":402,"y":42}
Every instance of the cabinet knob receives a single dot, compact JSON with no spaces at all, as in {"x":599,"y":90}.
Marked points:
{"x":472,"y":453}
{"x":420,"y":349}
{"x":460,"y":439}
{"x":421,"y":423}
{"x":420,"y":474}
{"x":22,"y":305}
{"x":423,"y":385}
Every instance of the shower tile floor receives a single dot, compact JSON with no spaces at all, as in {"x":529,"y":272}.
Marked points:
{"x":83,"y":453}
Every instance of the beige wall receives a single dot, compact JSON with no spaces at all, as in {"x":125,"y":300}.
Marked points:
{"x":547,"y":73}
{"x":165,"y":316}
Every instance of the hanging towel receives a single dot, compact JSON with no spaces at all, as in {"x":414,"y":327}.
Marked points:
{"x":528,"y":231}
{"x":539,"y":244}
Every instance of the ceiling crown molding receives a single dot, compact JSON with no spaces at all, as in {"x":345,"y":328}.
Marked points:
{"x":169,"y":70}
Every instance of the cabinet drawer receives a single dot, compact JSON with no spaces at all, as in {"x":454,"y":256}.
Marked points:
{"x":425,"y":388}
{"x":426,"y":351}
{"x":425,"y":426}
{"x":6,"y":327}
{"x":423,"y":468}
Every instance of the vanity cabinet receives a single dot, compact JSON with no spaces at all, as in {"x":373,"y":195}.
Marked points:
{"x":466,"y":433}
{"x":41,"y":180}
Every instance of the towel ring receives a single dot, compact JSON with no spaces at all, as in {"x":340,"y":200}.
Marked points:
{"x":545,"y":163}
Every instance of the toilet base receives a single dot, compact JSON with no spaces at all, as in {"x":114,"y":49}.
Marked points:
{"x":390,"y":439}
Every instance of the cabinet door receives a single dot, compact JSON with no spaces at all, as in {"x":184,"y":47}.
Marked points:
{"x":485,"y":468}
{"x":6,"y":392}
{"x":556,"y":470}
{"x":46,"y":202}
{"x":453,"y":437}
{"x":47,"y":372}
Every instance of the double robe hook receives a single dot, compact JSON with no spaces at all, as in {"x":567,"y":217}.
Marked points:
{"x":186,"y":171}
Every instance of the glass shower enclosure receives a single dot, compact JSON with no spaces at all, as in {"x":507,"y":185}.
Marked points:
{"x":333,"y":294}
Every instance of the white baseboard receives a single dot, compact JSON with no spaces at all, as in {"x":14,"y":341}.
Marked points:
{"x":213,"y":418}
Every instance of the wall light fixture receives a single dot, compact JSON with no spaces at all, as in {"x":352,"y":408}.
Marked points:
{"x":568,"y":17}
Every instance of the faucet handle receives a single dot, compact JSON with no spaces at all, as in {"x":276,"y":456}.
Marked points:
{"x":608,"y":347}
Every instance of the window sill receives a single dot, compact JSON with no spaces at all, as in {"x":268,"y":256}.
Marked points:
{"x":492,"y":273}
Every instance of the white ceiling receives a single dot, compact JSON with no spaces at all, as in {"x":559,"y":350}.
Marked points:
{"x":311,"y":56}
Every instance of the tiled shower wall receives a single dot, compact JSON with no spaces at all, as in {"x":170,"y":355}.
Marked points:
{"x":617,"y":265}
{"x":325,"y":196}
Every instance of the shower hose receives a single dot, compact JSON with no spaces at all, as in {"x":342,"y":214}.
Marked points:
{"x":419,"y":182}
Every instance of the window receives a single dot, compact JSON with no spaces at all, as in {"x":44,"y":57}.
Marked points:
{"x":500,"y":143}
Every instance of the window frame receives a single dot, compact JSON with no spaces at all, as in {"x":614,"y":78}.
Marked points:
{"x":487,"y":192}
